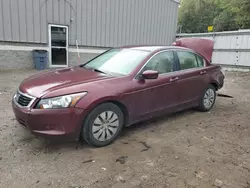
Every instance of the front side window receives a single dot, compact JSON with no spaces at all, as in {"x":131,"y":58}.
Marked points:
{"x":162,"y":62}
{"x":117,"y":61}
{"x":187,"y":60}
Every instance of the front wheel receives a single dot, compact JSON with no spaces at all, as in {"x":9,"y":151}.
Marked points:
{"x":103,"y":125}
{"x":208,"y":99}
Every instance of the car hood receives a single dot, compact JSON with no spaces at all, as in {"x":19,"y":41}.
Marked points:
{"x":40,"y":84}
{"x":202,"y":46}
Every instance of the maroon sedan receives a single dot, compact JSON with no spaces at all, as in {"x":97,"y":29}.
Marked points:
{"x":120,"y":87}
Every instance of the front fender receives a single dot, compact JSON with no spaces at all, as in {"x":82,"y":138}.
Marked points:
{"x":88,"y":102}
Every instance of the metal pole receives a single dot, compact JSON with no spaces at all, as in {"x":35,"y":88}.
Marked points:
{"x":78,"y":53}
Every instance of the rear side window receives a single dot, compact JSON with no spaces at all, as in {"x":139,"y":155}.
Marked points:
{"x":187,"y":60}
{"x":200,"y":60}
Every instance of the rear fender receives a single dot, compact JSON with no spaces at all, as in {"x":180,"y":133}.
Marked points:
{"x":216,"y":77}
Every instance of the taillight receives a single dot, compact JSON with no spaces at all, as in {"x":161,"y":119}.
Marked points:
{"x":223,"y":71}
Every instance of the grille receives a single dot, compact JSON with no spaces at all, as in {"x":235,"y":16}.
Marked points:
{"x":23,"y":100}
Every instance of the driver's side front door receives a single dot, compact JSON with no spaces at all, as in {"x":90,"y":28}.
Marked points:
{"x":151,"y":96}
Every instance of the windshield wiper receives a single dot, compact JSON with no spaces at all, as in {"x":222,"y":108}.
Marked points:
{"x":97,"y":70}
{"x":94,"y":69}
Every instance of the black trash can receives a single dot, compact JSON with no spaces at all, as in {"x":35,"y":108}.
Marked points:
{"x":40,"y":59}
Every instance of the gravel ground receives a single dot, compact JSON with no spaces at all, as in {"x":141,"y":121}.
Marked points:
{"x":188,"y":149}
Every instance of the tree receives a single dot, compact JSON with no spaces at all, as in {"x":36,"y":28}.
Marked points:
{"x":225,"y":21}
{"x":196,"y":15}
{"x":241,"y":8}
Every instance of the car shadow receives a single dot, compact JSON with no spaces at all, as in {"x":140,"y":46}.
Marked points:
{"x":58,"y":145}
{"x":151,"y":125}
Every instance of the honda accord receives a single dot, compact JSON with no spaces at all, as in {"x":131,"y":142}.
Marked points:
{"x":118,"y":88}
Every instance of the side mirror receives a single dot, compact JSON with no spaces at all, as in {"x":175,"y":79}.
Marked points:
{"x":150,"y":74}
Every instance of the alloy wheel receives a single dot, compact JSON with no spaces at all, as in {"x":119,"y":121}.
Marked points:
{"x":105,"y":126}
{"x":209,"y":98}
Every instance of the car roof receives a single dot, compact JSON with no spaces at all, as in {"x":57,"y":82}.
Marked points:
{"x":152,"y":48}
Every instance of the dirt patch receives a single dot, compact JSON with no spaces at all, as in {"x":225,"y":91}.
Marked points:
{"x":188,"y":149}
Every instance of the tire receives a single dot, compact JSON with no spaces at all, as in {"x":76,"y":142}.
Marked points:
{"x":102,"y":125}
{"x":208,"y":99}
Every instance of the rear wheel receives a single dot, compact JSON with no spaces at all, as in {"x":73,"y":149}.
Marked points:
{"x":103,"y":125}
{"x":208,"y":99}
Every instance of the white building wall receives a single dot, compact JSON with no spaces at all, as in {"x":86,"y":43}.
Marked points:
{"x":231,"y":48}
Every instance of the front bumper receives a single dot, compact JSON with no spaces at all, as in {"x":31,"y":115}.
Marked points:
{"x":51,"y":122}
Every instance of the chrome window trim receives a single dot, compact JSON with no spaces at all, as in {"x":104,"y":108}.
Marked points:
{"x":26,"y":95}
{"x":138,"y":73}
{"x":174,"y":50}
{"x":192,"y":69}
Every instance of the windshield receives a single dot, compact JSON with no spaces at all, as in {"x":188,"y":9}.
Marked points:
{"x":117,"y":61}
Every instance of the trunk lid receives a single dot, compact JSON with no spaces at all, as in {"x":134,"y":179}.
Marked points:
{"x":202,"y":46}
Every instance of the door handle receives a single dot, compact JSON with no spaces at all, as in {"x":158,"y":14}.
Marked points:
{"x":203,"y":72}
{"x":174,"y":79}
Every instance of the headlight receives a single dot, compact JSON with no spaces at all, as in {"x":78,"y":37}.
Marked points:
{"x":60,"y":102}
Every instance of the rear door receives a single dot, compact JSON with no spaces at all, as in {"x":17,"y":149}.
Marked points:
{"x":193,"y":78}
